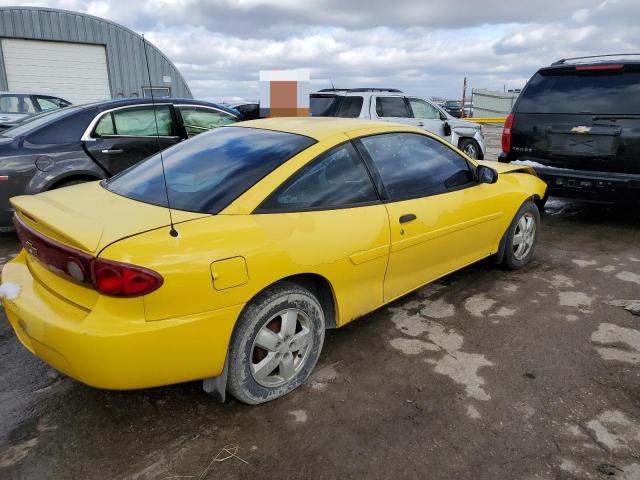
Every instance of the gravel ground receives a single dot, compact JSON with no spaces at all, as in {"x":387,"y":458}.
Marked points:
{"x":486,"y":374}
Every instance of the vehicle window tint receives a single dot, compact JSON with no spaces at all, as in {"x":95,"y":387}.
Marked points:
{"x":16,"y":104}
{"x":323,"y":105}
{"x":197,"y":119}
{"x":569,"y":92}
{"x":350,"y":107}
{"x":47,"y":103}
{"x":209,"y":171}
{"x":104,"y":126}
{"x":336,"y":179}
{"x":422,"y":109}
{"x":392,"y":107}
{"x":141,"y":122}
{"x":413,"y":165}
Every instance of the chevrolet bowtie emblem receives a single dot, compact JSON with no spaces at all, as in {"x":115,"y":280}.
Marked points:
{"x":581,"y":129}
{"x":28,"y":246}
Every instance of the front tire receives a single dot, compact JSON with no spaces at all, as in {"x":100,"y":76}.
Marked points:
{"x":522,"y":236}
{"x":470,"y":147}
{"x":276,"y":343}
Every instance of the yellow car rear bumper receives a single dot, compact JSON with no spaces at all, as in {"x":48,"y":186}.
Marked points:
{"x":115,"y":353}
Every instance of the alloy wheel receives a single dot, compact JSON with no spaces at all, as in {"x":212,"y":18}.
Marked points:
{"x":281,"y":348}
{"x":524,"y":236}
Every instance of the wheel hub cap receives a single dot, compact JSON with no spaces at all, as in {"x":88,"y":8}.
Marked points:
{"x":281,"y":348}
{"x":524,"y":236}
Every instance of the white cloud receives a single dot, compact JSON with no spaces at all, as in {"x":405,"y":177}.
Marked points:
{"x":422,"y":47}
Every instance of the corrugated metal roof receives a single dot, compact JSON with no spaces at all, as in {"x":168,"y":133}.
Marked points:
{"x":125,"y":50}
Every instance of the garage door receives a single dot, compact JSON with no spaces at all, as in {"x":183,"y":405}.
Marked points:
{"x":74,"y":71}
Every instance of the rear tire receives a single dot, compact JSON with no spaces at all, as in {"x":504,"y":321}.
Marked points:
{"x":276,"y":343}
{"x":470,"y":147}
{"x":522,"y":236}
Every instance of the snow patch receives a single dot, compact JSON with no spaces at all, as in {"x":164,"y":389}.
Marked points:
{"x":472,"y":412}
{"x":412,"y":346}
{"x":629,"y":277}
{"x":478,"y":304}
{"x":584,"y":263}
{"x":571,"y":318}
{"x":575,"y":299}
{"x":438,"y":309}
{"x":606,"y":269}
{"x":615,"y":430}
{"x":609,"y":333}
{"x":562,"y":281}
{"x":17,"y":453}
{"x":504,"y":312}
{"x":299,"y":416}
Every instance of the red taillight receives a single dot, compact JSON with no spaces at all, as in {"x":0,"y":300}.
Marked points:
{"x":123,"y":280}
{"x":506,"y":133}
{"x":108,"y":277}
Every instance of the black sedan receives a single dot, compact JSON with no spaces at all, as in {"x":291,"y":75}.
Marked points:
{"x":95,"y":141}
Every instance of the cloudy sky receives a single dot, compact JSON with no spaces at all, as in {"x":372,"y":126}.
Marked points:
{"x":425,"y":47}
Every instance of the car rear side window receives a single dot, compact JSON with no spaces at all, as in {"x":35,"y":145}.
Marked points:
{"x":350,"y":107}
{"x":336,"y":179}
{"x":200,"y":119}
{"x":324,"y":105}
{"x":136,"y":122}
{"x":209,"y":171}
{"x":413,"y":165}
{"x":392,"y":107}
{"x":570,"y":91}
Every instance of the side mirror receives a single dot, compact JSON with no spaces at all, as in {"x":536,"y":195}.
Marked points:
{"x":447,"y":129}
{"x":487,"y":174}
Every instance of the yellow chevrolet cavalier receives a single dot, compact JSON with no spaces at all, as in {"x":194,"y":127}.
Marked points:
{"x":282,"y":228}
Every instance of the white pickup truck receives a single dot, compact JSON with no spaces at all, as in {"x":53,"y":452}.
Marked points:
{"x":391,"y":105}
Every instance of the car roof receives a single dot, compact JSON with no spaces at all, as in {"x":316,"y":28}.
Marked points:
{"x":123,"y":102}
{"x":40,"y":94}
{"x":317,"y":128}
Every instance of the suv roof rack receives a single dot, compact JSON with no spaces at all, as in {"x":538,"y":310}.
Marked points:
{"x":565,"y":60}
{"x":393,"y":90}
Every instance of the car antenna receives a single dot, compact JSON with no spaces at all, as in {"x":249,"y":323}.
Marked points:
{"x":172,"y":231}
{"x":332,"y":85}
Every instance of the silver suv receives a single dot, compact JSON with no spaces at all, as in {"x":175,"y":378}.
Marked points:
{"x":391,"y":105}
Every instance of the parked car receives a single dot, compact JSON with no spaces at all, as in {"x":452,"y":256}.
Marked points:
{"x":249,"y":111}
{"x":453,"y":108}
{"x":282,"y":228}
{"x":577,"y":123}
{"x":388,"y":104}
{"x":18,"y":106}
{"x":95,"y":141}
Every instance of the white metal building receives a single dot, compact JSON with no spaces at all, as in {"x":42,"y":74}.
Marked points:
{"x":79,"y":57}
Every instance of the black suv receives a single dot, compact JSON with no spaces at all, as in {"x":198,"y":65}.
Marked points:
{"x":577,"y":122}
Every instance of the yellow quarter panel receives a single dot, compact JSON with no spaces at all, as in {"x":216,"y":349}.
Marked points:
{"x":348,"y":247}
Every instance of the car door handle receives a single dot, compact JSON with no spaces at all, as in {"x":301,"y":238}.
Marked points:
{"x":113,"y":151}
{"x":420,"y":124}
{"x":407,"y":218}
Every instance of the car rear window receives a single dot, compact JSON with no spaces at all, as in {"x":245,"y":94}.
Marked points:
{"x":570,"y":91}
{"x":208,"y":172}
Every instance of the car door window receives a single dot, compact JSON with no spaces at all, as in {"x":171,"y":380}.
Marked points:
{"x":351,"y":107}
{"x":413,"y":165}
{"x":392,"y":107}
{"x":136,"y":122}
{"x":336,"y":179}
{"x":198,"y":119}
{"x":422,"y":109}
{"x":16,"y":104}
{"x":49,"y":103}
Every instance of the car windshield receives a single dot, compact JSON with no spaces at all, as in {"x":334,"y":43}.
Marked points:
{"x":569,"y":91}
{"x":209,"y":171}
{"x":454,"y":103}
{"x":35,"y":122}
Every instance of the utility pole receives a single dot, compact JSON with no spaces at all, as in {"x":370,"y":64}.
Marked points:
{"x":464,"y":94}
